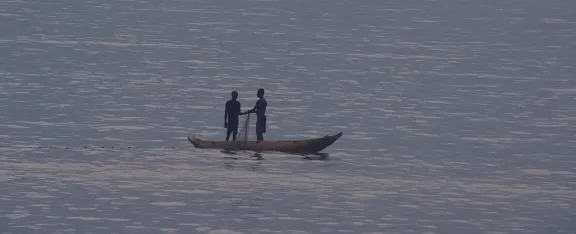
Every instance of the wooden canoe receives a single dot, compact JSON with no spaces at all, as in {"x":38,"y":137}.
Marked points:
{"x":288,"y":146}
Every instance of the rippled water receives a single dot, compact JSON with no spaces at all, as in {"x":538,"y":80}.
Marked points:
{"x":458,"y":116}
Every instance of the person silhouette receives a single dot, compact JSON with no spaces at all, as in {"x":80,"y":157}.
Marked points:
{"x":260,"y":110}
{"x":231,"y":113}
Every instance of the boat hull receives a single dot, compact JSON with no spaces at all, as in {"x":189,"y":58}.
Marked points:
{"x":288,"y":146}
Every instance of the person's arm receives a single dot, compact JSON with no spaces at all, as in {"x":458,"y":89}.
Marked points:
{"x":248,"y":111}
{"x":253,"y":109}
{"x":226,"y":116}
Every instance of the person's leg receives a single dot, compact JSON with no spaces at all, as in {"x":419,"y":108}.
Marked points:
{"x":262,"y":128}
{"x":259,"y":136}
{"x":257,"y":128}
{"x":235,"y":132}
{"x":228,"y":131}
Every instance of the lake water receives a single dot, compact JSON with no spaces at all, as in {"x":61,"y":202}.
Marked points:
{"x":458,"y":116}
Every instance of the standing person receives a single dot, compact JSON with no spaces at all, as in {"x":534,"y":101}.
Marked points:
{"x":231,"y":116}
{"x":260,"y":110}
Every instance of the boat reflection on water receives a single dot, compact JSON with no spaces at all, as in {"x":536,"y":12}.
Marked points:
{"x":317,"y":156}
{"x":259,"y":156}
{"x":234,"y":155}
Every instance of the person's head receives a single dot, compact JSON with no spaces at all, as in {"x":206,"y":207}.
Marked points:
{"x":234,"y":95}
{"x":260,"y":93}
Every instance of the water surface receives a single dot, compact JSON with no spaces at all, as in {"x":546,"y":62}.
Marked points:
{"x":458,"y":116}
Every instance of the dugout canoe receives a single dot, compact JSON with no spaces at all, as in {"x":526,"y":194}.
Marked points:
{"x":313,"y":145}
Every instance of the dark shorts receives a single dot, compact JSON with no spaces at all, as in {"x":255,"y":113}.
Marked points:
{"x":261,"y":124}
{"x":233,"y":122}
{"x":232,"y":127}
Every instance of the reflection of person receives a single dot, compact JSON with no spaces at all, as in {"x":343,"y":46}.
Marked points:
{"x":231,"y":116}
{"x":260,"y":110}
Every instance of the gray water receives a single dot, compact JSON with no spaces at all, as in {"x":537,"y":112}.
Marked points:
{"x":458,"y":116}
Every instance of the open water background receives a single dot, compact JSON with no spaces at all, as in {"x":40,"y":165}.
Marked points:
{"x":458,"y":116}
